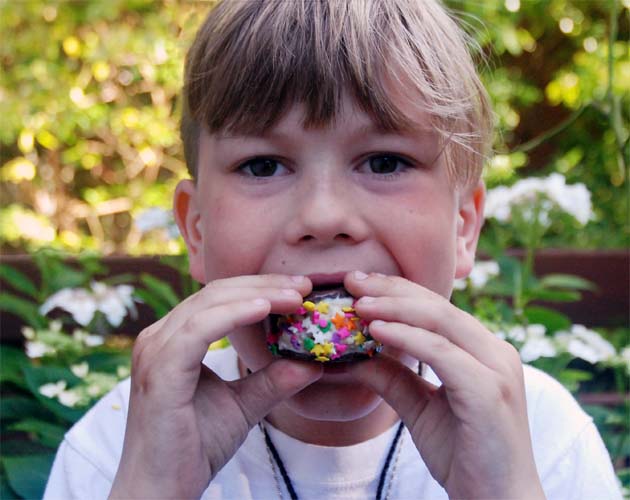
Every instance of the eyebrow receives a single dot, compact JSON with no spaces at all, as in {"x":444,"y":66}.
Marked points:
{"x":368,"y":129}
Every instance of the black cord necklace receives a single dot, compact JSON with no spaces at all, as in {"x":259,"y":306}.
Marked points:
{"x":287,"y":480}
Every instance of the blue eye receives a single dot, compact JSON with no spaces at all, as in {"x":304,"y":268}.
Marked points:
{"x":387,"y":164}
{"x":261,"y":167}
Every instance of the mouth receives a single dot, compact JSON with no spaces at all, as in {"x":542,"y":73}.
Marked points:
{"x":327,"y":281}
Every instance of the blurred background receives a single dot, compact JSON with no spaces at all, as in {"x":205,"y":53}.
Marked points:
{"x":89,"y":100}
{"x":90,"y":156}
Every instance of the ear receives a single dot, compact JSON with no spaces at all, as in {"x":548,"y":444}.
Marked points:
{"x":188,"y":218}
{"x":469,"y":222}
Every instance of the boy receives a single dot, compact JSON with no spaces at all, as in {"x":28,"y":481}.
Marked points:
{"x":331,"y":142}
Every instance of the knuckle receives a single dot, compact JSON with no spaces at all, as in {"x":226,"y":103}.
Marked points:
{"x":440,"y":345}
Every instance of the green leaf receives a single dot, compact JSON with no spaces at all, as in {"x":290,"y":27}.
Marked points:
{"x":160,"y":288}
{"x":553,"y":320}
{"x":6,"y":493}
{"x":16,"y":407}
{"x":19,"y":281}
{"x":568,"y":281}
{"x":160,"y":309}
{"x":49,"y":434}
{"x":23,"y":308}
{"x":27,"y":475}
{"x":553,"y":295}
{"x":12,"y":360}
{"x":108,"y":361}
{"x":38,"y":376}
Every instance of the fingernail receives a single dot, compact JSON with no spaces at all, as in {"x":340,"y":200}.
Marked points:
{"x":366,"y":300}
{"x":377,"y":322}
{"x":380,"y":275}
{"x":359,"y":275}
{"x":297,"y":279}
{"x":260,"y":302}
{"x":290,"y":291}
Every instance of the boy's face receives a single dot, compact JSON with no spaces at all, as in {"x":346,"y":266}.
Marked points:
{"x":322,"y":202}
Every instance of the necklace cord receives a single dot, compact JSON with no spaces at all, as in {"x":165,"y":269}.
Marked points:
{"x":287,"y":480}
{"x":388,"y":460}
{"x":283,"y":471}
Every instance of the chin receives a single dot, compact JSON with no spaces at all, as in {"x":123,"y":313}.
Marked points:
{"x":335,"y":400}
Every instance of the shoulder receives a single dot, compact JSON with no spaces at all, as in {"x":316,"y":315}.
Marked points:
{"x":555,"y":417}
{"x":98,"y":436}
{"x":570,"y":455}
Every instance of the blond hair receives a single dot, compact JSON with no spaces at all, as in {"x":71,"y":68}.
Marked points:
{"x":253,"y":59}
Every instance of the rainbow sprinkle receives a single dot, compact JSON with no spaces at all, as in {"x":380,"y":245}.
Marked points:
{"x":323,"y":329}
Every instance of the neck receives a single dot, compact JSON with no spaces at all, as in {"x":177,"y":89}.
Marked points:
{"x":330,"y":432}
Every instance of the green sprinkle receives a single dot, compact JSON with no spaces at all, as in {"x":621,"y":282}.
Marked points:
{"x":274,"y":349}
{"x":325,"y":328}
{"x":308,"y":343}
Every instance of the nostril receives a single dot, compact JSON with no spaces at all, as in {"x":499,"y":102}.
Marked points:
{"x":342,"y":236}
{"x":307,"y":237}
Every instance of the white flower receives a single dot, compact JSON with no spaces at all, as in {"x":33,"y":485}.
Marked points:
{"x":37,"y":349}
{"x":536,"y":345}
{"x":52,"y":389}
{"x":93,"y":340}
{"x":80,"y":370}
{"x":479,"y":275}
{"x":113,"y":302}
{"x":157,"y":218}
{"x":68,"y":398}
{"x":122,"y":371}
{"x":517,"y":333}
{"x":482,"y":272}
{"x":573,"y":199}
{"x":586,"y":344}
{"x":624,"y":358}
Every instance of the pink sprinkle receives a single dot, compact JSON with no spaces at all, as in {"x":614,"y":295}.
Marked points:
{"x":340,"y":348}
{"x":323,"y":323}
{"x":343,"y":333}
{"x":349,"y":315}
{"x":298,"y":326}
{"x":301,"y":310}
{"x":316,"y":316}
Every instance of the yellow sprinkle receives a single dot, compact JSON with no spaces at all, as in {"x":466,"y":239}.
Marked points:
{"x":322,"y":307}
{"x":115,"y":407}
{"x":308,"y":305}
{"x":347,"y":309}
{"x":328,"y":347}
{"x":322,"y":359}
{"x":359,"y":338}
{"x":318,"y":350}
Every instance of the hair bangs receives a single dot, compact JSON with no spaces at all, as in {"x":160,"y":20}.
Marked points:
{"x":253,"y":60}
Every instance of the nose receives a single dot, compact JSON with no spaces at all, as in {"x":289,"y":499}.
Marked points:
{"x":327,"y":212}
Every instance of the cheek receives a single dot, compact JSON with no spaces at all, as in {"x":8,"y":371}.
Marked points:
{"x":237,"y":238}
{"x":422,"y":241}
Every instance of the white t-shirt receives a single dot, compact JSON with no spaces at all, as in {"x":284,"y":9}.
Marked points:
{"x":570,"y":456}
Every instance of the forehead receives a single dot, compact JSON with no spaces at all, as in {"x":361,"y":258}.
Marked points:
{"x":350,"y":122}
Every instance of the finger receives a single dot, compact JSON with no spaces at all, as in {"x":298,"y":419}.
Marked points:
{"x":437,"y":316}
{"x":261,"y":391}
{"x":186,"y":348}
{"x":456,"y":368}
{"x":375,"y":285}
{"x":282,"y":300}
{"x":405,"y":391}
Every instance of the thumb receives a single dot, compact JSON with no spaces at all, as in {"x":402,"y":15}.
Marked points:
{"x":405,"y":391}
{"x":261,"y":391}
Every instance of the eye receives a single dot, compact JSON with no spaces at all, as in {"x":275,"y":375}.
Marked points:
{"x":386,"y":164}
{"x":262,"y":167}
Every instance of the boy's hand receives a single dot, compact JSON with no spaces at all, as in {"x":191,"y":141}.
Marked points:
{"x":185,"y":422}
{"x":472,"y":432}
